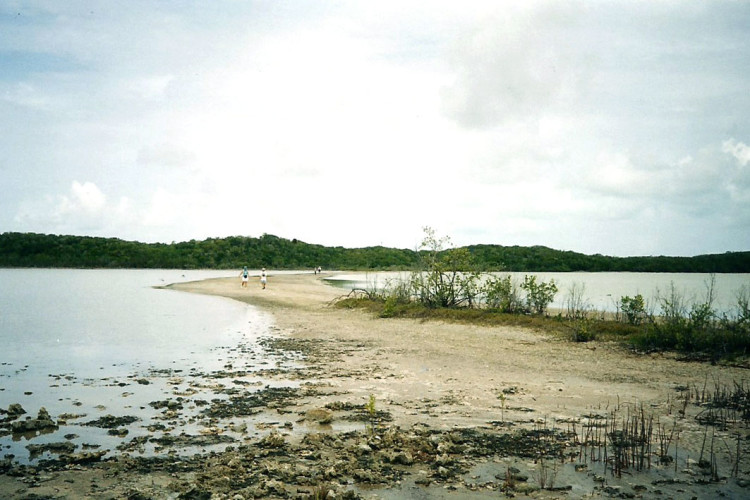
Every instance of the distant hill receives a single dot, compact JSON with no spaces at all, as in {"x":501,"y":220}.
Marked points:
{"x":44,"y":250}
{"x":539,"y":258}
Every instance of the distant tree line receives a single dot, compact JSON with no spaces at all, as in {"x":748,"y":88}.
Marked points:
{"x":539,"y":258}
{"x":40,"y":250}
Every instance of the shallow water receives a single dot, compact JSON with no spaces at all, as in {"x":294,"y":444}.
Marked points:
{"x":106,"y":342}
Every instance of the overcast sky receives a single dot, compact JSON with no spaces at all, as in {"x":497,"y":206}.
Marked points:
{"x":620,"y":128}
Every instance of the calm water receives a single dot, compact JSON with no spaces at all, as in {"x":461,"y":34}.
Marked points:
{"x":74,"y":341}
{"x":88,"y":320}
{"x":601,"y":290}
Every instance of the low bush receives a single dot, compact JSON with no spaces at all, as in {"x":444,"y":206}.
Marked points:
{"x":502,"y":294}
{"x":582,"y":331}
{"x":634,"y":309}
{"x":538,"y":295}
{"x":697,"y":329}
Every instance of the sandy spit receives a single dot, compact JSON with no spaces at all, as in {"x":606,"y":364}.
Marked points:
{"x":470,"y":365}
{"x":440,"y":377}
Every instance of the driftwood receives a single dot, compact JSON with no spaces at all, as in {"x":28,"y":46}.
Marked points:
{"x":354,"y":293}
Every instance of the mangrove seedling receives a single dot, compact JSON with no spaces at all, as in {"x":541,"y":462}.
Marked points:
{"x":372,"y":413}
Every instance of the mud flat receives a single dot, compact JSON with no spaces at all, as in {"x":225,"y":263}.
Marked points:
{"x":361,"y":407}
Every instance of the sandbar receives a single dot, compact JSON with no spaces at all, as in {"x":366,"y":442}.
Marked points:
{"x":437,"y":382}
{"x":407,"y":361}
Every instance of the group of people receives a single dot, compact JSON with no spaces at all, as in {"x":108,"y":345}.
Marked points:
{"x":245,"y":275}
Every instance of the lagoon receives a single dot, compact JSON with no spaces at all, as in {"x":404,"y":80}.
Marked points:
{"x":77,"y":342}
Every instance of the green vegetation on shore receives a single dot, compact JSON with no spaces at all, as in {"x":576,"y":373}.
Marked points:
{"x":447,"y":286}
{"x":698,"y":332}
{"x":40,"y":250}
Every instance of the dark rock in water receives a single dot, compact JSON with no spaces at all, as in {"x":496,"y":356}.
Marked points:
{"x":61,"y":447}
{"x":168,"y":404}
{"x":251,"y":403}
{"x":15,"y":410}
{"x":184,"y":440}
{"x":70,"y":459}
{"x":112,"y":422}
{"x":42,"y":422}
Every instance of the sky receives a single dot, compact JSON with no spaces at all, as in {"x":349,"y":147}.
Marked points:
{"x":612,"y":127}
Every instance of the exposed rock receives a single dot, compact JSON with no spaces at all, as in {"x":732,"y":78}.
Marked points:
{"x":112,"y":422}
{"x":319,"y":415}
{"x":15,"y":410}
{"x":401,"y":458}
{"x":72,"y":459}
{"x":61,"y":447}
{"x":40,"y":423}
{"x":273,"y":440}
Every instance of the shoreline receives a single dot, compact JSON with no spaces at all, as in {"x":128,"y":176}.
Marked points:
{"x":443,"y":377}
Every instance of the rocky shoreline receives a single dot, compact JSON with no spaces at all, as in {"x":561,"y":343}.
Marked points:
{"x":338,"y":416}
{"x":316,"y":462}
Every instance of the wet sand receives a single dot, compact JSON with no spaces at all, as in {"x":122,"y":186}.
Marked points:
{"x":438,"y":393}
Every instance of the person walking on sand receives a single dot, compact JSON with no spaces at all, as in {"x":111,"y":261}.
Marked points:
{"x":263,"y":278}
{"x":245,"y":277}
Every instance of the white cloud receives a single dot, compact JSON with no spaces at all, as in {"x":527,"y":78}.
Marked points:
{"x":614,"y":174}
{"x":165,"y":155}
{"x":165,"y":208}
{"x":26,"y":95}
{"x":85,"y":197}
{"x":359,"y":123}
{"x":151,"y":88}
{"x":83,"y":210}
{"x":515,"y":64}
{"x":83,"y":205}
{"x":739,"y":150}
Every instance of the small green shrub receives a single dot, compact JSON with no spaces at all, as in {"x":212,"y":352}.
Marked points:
{"x":742,"y":308}
{"x":446,"y":277}
{"x":634,"y":309}
{"x":372,"y":414}
{"x":538,"y":295}
{"x":501,"y":294}
{"x":583,"y":331}
{"x":389,"y":307}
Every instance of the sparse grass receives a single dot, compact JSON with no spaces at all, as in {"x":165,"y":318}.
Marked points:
{"x":557,"y":325}
{"x":719,"y":339}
